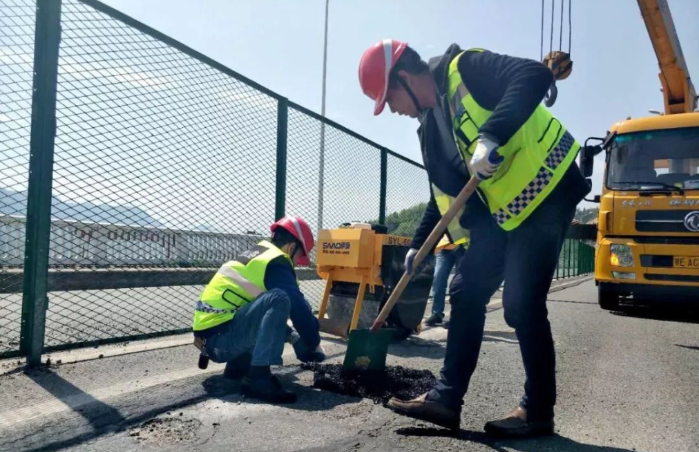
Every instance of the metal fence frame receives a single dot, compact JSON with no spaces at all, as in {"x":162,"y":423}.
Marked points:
{"x":36,"y":278}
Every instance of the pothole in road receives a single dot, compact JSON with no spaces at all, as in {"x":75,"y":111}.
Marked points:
{"x":167,"y":430}
{"x":379,"y":386}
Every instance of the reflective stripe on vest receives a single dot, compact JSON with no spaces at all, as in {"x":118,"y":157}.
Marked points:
{"x":204,"y":307}
{"x":458,"y":235}
{"x":235,"y":284}
{"x":236,"y":277}
{"x":535,"y":158}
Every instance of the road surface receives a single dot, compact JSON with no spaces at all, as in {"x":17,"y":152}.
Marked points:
{"x":626,"y":383}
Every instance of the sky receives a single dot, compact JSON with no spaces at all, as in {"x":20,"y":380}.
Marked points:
{"x":279,"y":44}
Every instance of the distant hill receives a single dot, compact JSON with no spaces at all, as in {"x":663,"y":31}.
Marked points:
{"x":15,"y":202}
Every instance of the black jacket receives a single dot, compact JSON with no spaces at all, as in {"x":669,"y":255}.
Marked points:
{"x":511,"y":88}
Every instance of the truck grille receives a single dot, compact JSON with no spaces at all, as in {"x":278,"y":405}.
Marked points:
{"x":678,"y":278}
{"x":655,"y":240}
{"x":649,"y":260}
{"x":661,"y":220}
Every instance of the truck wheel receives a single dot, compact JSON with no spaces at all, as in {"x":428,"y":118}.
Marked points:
{"x":607,"y":299}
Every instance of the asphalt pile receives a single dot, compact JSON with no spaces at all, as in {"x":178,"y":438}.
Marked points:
{"x":379,"y":386}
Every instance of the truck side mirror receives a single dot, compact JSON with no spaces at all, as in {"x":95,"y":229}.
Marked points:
{"x":587,"y":159}
{"x":597,"y":199}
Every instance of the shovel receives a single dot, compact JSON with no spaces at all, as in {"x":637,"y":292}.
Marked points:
{"x":374,"y":341}
{"x":367,"y":350}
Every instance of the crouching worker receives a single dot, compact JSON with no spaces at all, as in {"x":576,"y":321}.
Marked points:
{"x":241,"y":316}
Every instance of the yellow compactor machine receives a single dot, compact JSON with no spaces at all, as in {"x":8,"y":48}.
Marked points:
{"x":361,"y":264}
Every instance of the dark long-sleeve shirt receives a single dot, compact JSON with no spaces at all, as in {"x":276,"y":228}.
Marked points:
{"x":511,"y":87}
{"x":280,"y":275}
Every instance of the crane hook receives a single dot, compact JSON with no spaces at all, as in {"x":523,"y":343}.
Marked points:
{"x":551,"y":96}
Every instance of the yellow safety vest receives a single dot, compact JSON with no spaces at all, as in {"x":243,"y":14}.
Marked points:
{"x":235,"y":284}
{"x":458,"y":235}
{"x":535,"y":158}
{"x":444,"y":244}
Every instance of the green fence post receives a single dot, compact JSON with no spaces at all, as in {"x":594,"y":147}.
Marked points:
{"x":570,"y":252}
{"x":47,"y":37}
{"x":587,"y":258}
{"x":578,"y":259}
{"x":282,"y":134}
{"x":384,"y":182}
{"x":558,"y":263}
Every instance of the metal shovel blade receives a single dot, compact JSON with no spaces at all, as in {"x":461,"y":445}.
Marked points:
{"x":367,"y":350}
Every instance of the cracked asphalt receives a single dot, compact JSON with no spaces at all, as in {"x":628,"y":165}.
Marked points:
{"x":626,"y":382}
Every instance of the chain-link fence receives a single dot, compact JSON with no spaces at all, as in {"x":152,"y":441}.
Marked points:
{"x":16,"y":62}
{"x":407,"y":193}
{"x":333,"y":177}
{"x":161,"y":161}
{"x":164,"y":164}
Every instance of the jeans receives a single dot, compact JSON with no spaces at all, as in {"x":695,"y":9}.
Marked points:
{"x":258,"y":327}
{"x":444,"y":263}
{"x":525,"y":258}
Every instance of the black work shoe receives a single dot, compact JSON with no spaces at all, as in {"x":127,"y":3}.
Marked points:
{"x":427,"y":410}
{"x":238,"y":367}
{"x":268,"y":389}
{"x":435,"y":319}
{"x":515,"y":425}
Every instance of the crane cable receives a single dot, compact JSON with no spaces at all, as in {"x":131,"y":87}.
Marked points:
{"x":558,"y":61}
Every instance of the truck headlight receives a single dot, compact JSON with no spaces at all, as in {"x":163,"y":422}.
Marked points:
{"x":621,"y":256}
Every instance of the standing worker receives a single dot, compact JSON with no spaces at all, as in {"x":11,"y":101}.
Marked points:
{"x":447,"y":255}
{"x":481,"y":114}
{"x":241,"y":316}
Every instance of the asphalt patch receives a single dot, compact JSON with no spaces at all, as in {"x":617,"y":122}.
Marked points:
{"x":377,"y":385}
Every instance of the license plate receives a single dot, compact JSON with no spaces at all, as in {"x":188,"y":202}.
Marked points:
{"x":685,"y":262}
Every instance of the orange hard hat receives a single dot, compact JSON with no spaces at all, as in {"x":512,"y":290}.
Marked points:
{"x":374,"y":69}
{"x":299,"y":228}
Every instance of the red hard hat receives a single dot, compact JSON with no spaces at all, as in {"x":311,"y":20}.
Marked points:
{"x":298,"y":228}
{"x":375,"y":66}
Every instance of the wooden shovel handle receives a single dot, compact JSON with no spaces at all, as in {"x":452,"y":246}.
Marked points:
{"x":426,"y":247}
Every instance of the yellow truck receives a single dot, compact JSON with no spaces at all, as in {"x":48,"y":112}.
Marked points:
{"x":648,"y":224}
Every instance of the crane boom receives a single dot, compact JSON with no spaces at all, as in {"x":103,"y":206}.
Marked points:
{"x":678,"y":91}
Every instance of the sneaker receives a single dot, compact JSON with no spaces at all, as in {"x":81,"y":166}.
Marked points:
{"x":268,"y":389}
{"x":435,"y":319}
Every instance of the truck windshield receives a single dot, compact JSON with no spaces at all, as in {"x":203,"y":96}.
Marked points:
{"x":664,"y":159}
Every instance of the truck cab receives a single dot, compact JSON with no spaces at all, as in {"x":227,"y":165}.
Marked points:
{"x":648,"y":224}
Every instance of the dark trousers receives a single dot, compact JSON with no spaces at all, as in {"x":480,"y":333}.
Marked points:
{"x":525,"y":259}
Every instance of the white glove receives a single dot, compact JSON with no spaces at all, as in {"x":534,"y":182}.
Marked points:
{"x":409,"y":258}
{"x":485,"y":160}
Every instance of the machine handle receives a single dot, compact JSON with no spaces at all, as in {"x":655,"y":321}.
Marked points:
{"x":429,"y":244}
